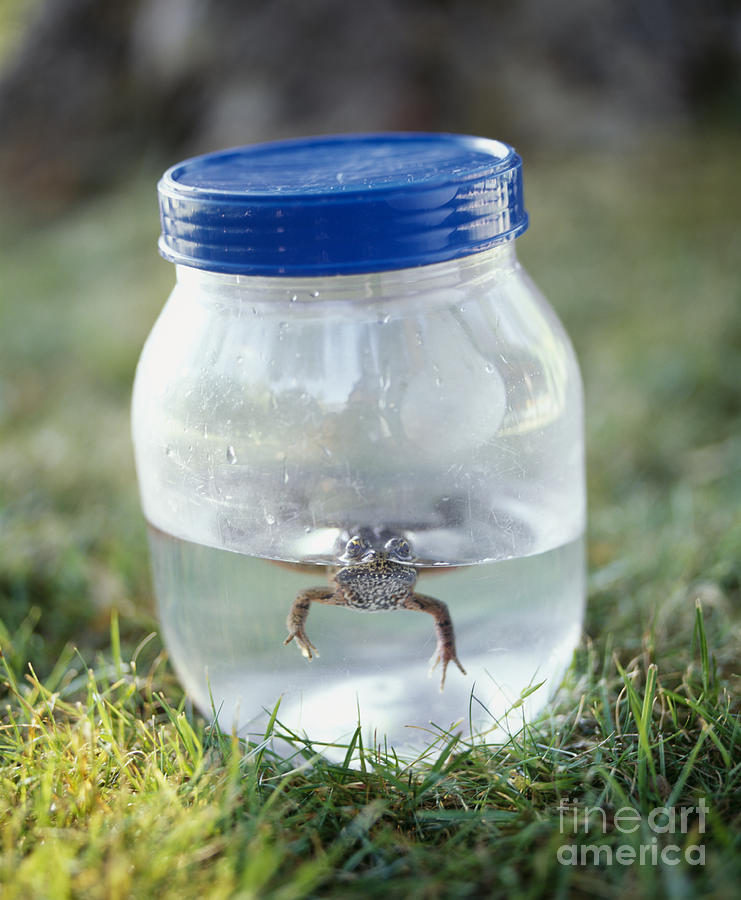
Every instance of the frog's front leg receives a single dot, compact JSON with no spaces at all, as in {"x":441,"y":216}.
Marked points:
{"x":445,"y":651}
{"x":299,"y":613}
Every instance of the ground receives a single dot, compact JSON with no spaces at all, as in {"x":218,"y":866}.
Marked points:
{"x":111,"y":787}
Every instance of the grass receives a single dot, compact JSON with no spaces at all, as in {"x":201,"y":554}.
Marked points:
{"x":111,"y":787}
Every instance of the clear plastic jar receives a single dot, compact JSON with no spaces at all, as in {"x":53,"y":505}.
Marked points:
{"x":356,"y":398}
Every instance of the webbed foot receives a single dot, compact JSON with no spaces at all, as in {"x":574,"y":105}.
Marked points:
{"x":444,"y":655}
{"x":304,"y":644}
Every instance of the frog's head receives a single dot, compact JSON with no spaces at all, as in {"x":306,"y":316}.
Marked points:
{"x":358,"y":549}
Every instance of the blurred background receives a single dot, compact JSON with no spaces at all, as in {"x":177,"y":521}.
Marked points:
{"x":93,"y":91}
{"x":628,"y":116}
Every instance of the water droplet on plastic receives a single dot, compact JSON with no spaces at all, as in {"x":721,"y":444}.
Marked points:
{"x":294,"y":298}
{"x":240,"y":358}
{"x":490,"y":368}
{"x":231,"y":456}
{"x":168,"y":450}
{"x":315,"y":293}
{"x":270,"y":518}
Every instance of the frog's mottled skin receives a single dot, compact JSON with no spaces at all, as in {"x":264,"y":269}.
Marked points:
{"x":375,"y":580}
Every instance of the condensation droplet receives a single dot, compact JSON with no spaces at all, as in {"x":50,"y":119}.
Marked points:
{"x":294,"y":298}
{"x":270,"y":518}
{"x":315,"y":293}
{"x":168,"y":450}
{"x":231,"y":456}
{"x":490,"y":368}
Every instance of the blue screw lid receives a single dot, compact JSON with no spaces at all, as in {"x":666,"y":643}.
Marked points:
{"x":341,"y":204}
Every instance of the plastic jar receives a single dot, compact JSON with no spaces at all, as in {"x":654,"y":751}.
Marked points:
{"x":356,"y":397}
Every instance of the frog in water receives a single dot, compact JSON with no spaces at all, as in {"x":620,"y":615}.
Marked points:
{"x":373,"y":580}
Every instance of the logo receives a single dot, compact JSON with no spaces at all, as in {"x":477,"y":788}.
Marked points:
{"x":655,"y":840}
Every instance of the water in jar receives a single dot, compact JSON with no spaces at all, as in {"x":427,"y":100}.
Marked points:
{"x":223,"y":614}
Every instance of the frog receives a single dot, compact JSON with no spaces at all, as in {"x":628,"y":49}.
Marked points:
{"x":372,"y":580}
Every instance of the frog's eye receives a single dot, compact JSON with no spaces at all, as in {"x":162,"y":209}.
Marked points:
{"x":399,"y":547}
{"x":355,"y":547}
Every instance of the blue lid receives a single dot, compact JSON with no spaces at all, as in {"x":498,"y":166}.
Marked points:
{"x":341,"y":204}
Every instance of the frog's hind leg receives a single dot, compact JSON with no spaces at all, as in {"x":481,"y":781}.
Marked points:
{"x":299,"y":613}
{"x":445,"y":651}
